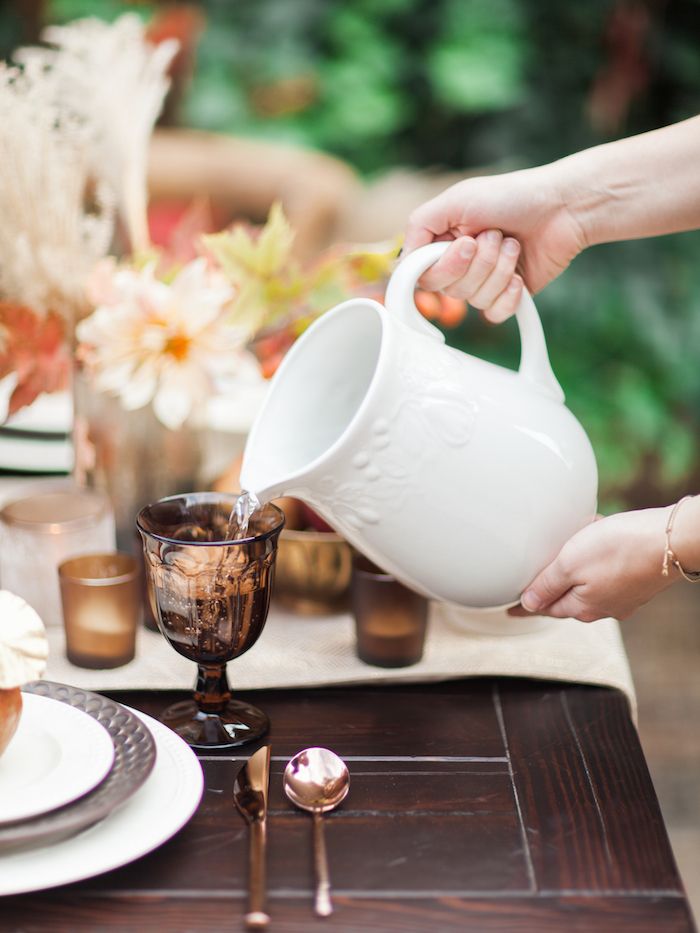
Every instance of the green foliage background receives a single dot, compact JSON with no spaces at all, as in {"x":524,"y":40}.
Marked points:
{"x":490,"y":84}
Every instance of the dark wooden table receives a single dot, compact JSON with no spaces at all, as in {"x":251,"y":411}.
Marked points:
{"x":479,"y":805}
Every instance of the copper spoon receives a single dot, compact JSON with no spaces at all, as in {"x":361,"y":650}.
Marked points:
{"x":318,"y":780}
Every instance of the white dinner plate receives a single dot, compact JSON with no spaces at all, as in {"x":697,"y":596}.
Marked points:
{"x":57,"y":755}
{"x":161,"y":807}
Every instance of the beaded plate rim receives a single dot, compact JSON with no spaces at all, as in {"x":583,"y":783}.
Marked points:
{"x":134,"y":758}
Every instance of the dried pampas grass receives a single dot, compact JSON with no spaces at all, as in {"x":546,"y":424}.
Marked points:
{"x":49,"y":239}
{"x":116,"y":81}
{"x":75,"y":125}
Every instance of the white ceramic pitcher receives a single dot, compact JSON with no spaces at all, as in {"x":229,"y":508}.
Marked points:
{"x":460,"y":477}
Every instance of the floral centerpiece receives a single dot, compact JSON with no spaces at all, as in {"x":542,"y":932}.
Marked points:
{"x":155,"y":333}
{"x":75,"y":122}
{"x":160,"y":340}
{"x":171,"y":334}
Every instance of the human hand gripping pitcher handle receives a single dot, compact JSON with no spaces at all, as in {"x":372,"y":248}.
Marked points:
{"x":460,"y":477}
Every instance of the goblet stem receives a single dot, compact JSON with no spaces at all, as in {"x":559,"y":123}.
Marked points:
{"x":212,"y":691}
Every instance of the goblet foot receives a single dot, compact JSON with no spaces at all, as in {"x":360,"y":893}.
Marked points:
{"x":237,"y":723}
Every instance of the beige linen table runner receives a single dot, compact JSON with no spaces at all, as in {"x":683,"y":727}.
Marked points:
{"x":304,"y":651}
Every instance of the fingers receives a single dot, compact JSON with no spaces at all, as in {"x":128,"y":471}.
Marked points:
{"x":450,"y":268}
{"x":498,"y":277}
{"x":548,"y":587}
{"x":568,"y":607}
{"x":481,"y":267}
{"x":507,"y":302}
{"x":572,"y":606}
{"x":481,"y":271}
{"x":555,"y":593}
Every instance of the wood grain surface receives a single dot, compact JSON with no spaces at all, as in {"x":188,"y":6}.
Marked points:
{"x":477,"y":805}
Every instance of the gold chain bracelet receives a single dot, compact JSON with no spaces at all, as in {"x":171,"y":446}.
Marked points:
{"x":669,"y":556}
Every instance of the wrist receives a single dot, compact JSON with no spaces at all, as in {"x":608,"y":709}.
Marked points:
{"x":582,"y":196}
{"x":684,"y":536}
{"x":602,"y":193}
{"x":569,"y":199}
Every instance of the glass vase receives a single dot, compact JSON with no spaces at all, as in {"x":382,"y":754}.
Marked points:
{"x":131,"y":457}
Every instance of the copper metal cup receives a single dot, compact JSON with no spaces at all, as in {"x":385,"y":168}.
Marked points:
{"x":313,"y":572}
{"x":101,"y":608}
{"x":391,"y":620}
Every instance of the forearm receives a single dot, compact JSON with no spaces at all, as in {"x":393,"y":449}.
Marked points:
{"x":642,"y":186}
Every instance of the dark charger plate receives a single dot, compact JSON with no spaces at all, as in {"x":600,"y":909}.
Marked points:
{"x":134,"y":757}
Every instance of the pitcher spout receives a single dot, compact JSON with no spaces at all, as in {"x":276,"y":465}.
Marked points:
{"x":325,"y":381}
{"x":266,"y":490}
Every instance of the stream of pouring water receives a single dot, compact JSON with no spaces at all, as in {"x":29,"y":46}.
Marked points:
{"x":239,"y":519}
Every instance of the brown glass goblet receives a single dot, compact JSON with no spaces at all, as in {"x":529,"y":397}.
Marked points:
{"x":210,"y":594}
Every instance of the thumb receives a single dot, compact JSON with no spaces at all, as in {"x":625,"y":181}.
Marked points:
{"x":433,"y":220}
{"x":546,"y":588}
{"x":416,"y":236}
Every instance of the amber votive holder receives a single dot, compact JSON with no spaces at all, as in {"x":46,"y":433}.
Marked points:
{"x":391,"y":620}
{"x":101,"y":598}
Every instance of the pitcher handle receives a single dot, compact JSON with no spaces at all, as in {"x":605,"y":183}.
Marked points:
{"x":534,"y":367}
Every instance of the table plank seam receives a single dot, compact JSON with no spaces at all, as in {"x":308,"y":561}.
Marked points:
{"x":224,"y":894}
{"x":611,"y":892}
{"x":529,"y":864}
{"x":601,"y":819}
{"x":386,"y":774}
{"x":389,"y":758}
{"x":423,"y":773}
{"x":393,"y":814}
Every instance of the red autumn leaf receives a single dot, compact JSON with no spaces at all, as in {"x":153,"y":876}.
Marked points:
{"x":176,"y":226}
{"x":34,"y":347}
